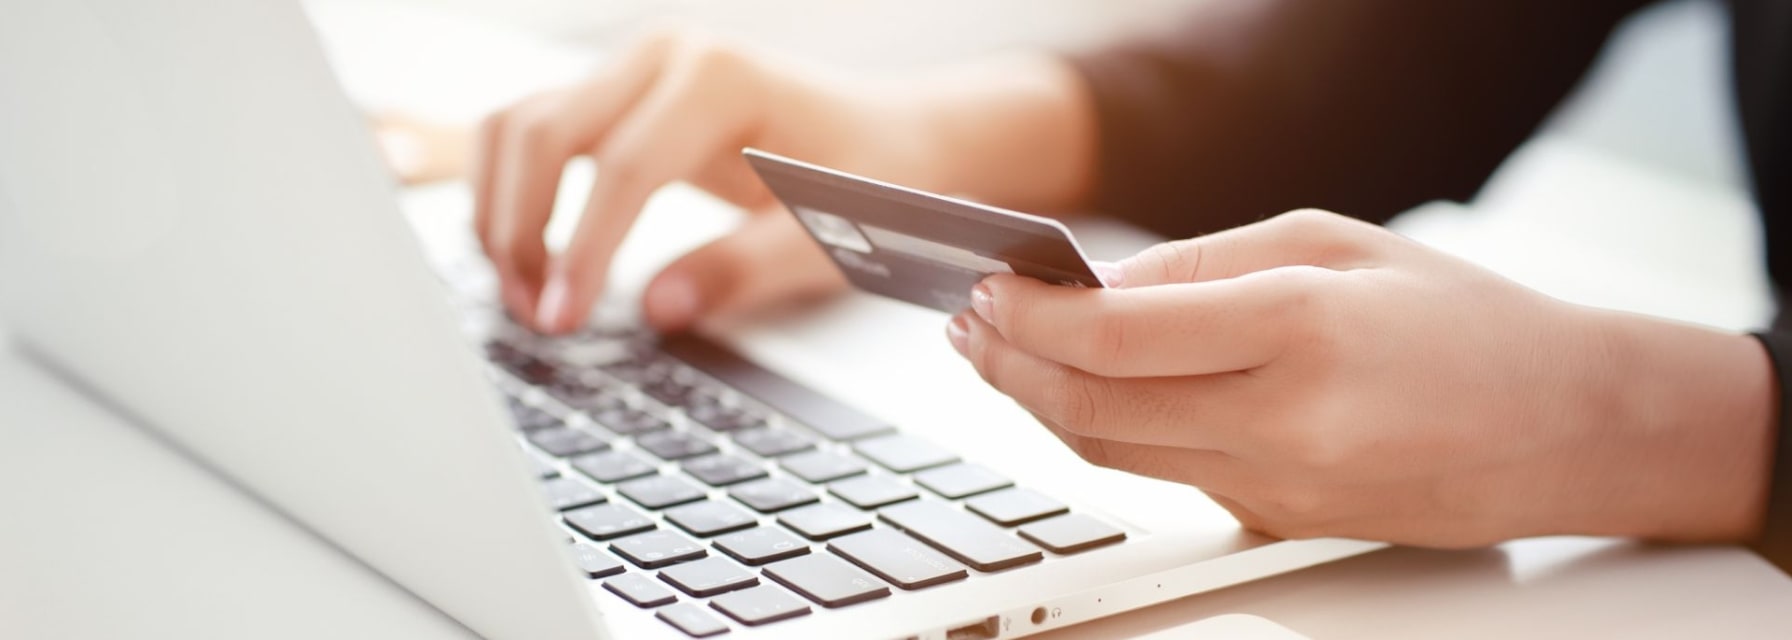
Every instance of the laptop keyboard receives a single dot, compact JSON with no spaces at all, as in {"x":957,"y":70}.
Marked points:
{"x":712,"y":493}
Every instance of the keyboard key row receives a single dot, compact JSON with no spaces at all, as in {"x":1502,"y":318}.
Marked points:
{"x":656,"y":549}
{"x":965,"y":537}
{"x":610,"y":467}
{"x":710,"y":518}
{"x":723,"y":469}
{"x":564,"y":441}
{"x":708,"y":577}
{"x":826,"y":580}
{"x":898,"y":559}
{"x":674,"y":444}
{"x":570,"y":493}
{"x":607,"y":521}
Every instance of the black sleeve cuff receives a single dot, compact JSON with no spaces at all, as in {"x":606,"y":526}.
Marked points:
{"x":1775,"y":542}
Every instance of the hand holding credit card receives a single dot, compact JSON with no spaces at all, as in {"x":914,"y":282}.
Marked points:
{"x":915,"y":246}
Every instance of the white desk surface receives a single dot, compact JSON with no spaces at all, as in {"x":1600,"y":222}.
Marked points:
{"x":107,"y":533}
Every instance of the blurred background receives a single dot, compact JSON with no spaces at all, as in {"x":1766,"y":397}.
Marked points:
{"x":1635,"y":186}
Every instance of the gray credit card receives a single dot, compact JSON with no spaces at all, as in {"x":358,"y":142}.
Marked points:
{"x":916,"y":246}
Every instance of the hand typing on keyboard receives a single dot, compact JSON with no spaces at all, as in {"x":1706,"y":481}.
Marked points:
{"x":680,"y":105}
{"x":1320,"y":376}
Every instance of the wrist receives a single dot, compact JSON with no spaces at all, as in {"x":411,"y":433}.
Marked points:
{"x":1016,"y":130}
{"x":1685,"y":418}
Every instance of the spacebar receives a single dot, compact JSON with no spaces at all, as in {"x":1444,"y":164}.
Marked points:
{"x":825,"y":415}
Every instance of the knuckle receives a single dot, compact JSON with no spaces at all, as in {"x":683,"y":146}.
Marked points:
{"x":710,"y":59}
{"x":1310,"y":305}
{"x":1075,"y":401}
{"x":537,"y":131}
{"x":1175,"y":260}
{"x":1310,"y":219}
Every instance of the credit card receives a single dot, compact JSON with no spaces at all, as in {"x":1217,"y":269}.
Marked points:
{"x":916,"y":246}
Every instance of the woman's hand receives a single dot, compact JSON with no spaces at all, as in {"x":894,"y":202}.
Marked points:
{"x":1319,"y":376}
{"x":680,"y":106}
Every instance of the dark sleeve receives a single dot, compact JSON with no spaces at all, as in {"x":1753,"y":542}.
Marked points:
{"x":1249,"y":108}
{"x":1775,"y":543}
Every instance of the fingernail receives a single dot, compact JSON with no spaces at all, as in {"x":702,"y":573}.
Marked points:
{"x":550,"y":314}
{"x":958,"y":332}
{"x":1110,"y":273}
{"x":983,"y":303}
{"x":672,"y":301}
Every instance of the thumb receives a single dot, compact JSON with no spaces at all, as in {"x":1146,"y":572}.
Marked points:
{"x":767,"y":261}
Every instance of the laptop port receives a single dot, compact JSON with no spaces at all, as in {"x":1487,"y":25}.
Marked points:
{"x":985,"y":629}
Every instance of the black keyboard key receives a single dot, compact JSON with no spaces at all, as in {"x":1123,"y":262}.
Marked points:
{"x":827,"y":580}
{"x":903,"y":561}
{"x":563,"y":441}
{"x":613,"y":466}
{"x":606,"y":521}
{"x":643,"y":369}
{"x":711,"y":413}
{"x":760,"y":605}
{"x":904,"y":453}
{"x":871,"y":492}
{"x":771,"y":442}
{"x":525,"y":367}
{"x":723,"y":469}
{"x":708,"y":518}
{"x":671,"y":392}
{"x":595,"y":562}
{"x":628,"y":422}
{"x":692,"y":619}
{"x":821,"y":467}
{"x":1072,"y":533}
{"x":825,"y":520}
{"x":640,"y":590}
{"x":762,"y":545}
{"x":1015,"y":506}
{"x":570,"y":493}
{"x":674,"y":444}
{"x":773,"y":494}
{"x":823,"y":414}
{"x":708,"y":577}
{"x":656,"y":549}
{"x":530,"y":418}
{"x":960,"y":480}
{"x":659,"y":492}
{"x":968,"y":538}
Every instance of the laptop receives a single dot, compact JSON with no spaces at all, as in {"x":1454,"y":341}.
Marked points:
{"x":195,"y":226}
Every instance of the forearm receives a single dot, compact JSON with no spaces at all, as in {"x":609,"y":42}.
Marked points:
{"x":1243,"y":110}
{"x":1015,"y":130}
{"x":1689,"y":423}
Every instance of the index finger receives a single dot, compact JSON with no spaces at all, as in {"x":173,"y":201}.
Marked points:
{"x":698,"y":110}
{"x":1169,"y":330}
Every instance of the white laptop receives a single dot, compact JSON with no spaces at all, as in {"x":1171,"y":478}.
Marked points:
{"x":194,"y":225}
